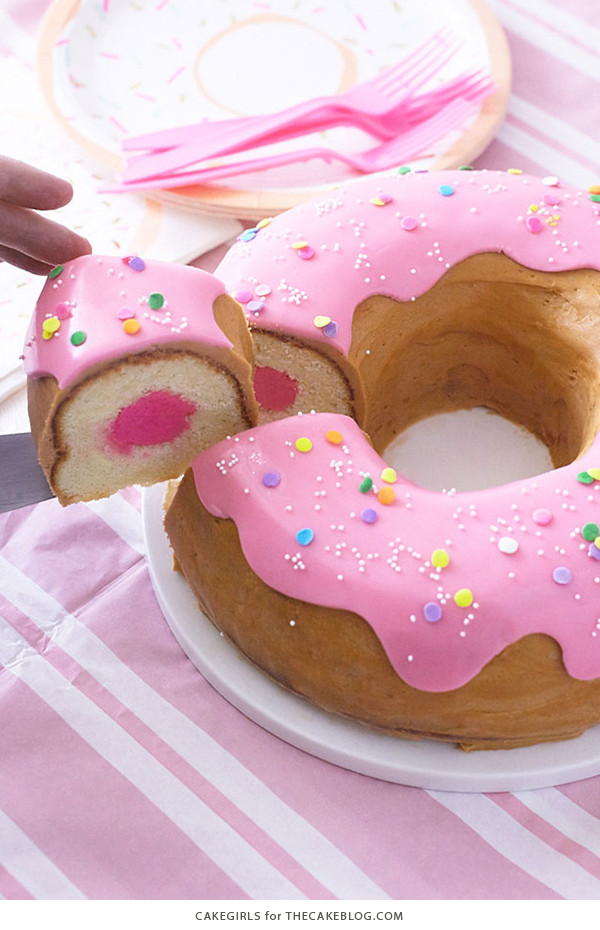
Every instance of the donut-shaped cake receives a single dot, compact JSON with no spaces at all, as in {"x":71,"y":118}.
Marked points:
{"x":471,"y":617}
{"x":132,"y":368}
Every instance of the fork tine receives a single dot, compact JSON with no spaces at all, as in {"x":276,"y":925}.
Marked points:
{"x":424,"y":73}
{"x":404,"y":68}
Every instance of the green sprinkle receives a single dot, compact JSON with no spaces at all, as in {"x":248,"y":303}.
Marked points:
{"x":585,"y":478}
{"x":78,"y":338}
{"x":404,"y":170}
{"x":56,"y":271}
{"x":156,"y":301}
{"x":595,"y":198}
{"x":590,"y":531}
{"x":365,"y":485}
{"x":466,"y":168}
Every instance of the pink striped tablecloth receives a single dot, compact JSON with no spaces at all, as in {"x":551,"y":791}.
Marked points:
{"x":124,"y":775}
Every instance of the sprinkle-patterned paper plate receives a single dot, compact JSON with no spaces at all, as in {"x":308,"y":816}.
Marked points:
{"x":112,"y":69}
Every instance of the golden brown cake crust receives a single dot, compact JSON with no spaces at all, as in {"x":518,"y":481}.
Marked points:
{"x":523,"y":696}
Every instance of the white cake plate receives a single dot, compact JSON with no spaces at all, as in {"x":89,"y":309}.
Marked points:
{"x":423,"y":764}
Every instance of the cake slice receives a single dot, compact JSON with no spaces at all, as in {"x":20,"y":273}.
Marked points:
{"x":133,"y":367}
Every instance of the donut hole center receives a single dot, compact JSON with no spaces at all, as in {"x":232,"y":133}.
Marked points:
{"x":490,"y":334}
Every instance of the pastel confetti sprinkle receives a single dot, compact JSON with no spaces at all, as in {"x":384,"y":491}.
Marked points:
{"x":321,"y":321}
{"x":432,"y":612}
{"x":584,"y":477}
{"x":56,"y":271}
{"x":243,"y":296}
{"x":368,"y":515}
{"x":303,"y":444}
{"x":366,"y":484}
{"x":440,"y":558}
{"x":51,"y":325}
{"x":594,"y":550}
{"x":271,"y":479}
{"x":63,"y":310}
{"x":334,"y":437}
{"x":255,"y":306}
{"x":508,"y":545}
{"x":594,"y":473}
{"x":590,"y":531}
{"x":534,"y":224}
{"x":463,"y":597}
{"x":156,"y":301}
{"x":542,"y":517}
{"x":305,"y":536}
{"x":131,"y":327}
{"x":409,"y":223}
{"x":78,"y":338}
{"x":125,"y":313}
{"x":562,"y":575}
{"x":306,"y":253}
{"x":387,"y":495}
{"x":263,"y":223}
{"x":446,"y":190}
{"x":136,"y":263}
{"x":389,"y":475}
{"x":262,"y":290}
{"x":331,"y":330}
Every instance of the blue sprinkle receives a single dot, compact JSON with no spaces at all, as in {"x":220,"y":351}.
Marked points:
{"x":248,"y":235}
{"x":446,"y":190}
{"x":305,"y":536}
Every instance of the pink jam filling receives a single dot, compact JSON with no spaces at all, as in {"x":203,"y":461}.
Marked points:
{"x":275,"y":390}
{"x":153,"y":419}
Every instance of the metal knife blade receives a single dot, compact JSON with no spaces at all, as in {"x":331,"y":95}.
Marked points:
{"x":22,"y":481}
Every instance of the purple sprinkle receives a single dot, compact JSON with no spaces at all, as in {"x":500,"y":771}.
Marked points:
{"x":562,"y":575}
{"x":594,"y":551}
{"x":552,"y":198}
{"x":243,"y":296}
{"x":255,"y":306}
{"x":125,"y":314}
{"x":306,"y":253}
{"x":331,"y":330}
{"x":136,"y":263}
{"x":271,"y":479}
{"x":432,"y":612}
{"x":369,"y":515}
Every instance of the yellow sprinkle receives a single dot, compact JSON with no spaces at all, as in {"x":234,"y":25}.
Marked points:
{"x":388,"y":474}
{"x":51,"y":325}
{"x":440,"y":558}
{"x":378,"y":202}
{"x":321,"y":321}
{"x":263,"y":223}
{"x":464,"y":597}
{"x":300,"y":244}
{"x":534,"y":207}
{"x":47,"y":335}
{"x":514,"y":171}
{"x":387,"y":495}
{"x":334,"y":437}
{"x":131,"y":327}
{"x":303,"y":444}
{"x":595,"y":473}
{"x":594,"y":189}
{"x":597,"y":542}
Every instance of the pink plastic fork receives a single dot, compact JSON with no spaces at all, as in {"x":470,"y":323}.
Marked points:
{"x":361,"y":103}
{"x":386,"y":155}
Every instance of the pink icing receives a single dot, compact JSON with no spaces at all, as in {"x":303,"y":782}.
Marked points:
{"x":526,"y":574}
{"x":403,"y":246}
{"x":152,"y":419}
{"x":93,"y":297}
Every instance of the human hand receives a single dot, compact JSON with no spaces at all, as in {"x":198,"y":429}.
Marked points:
{"x":28,"y":240}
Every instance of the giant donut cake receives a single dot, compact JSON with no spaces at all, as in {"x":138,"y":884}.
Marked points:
{"x":465,"y":617}
{"x":469,"y":617}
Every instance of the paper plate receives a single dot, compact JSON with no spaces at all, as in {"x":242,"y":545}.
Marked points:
{"x":423,"y":764}
{"x":112,"y":69}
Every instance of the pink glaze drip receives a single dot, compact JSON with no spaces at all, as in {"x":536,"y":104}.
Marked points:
{"x":384,"y":570}
{"x":151,"y":420}
{"x":402,"y":244}
{"x":94,"y":298}
{"x":275,"y":390}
